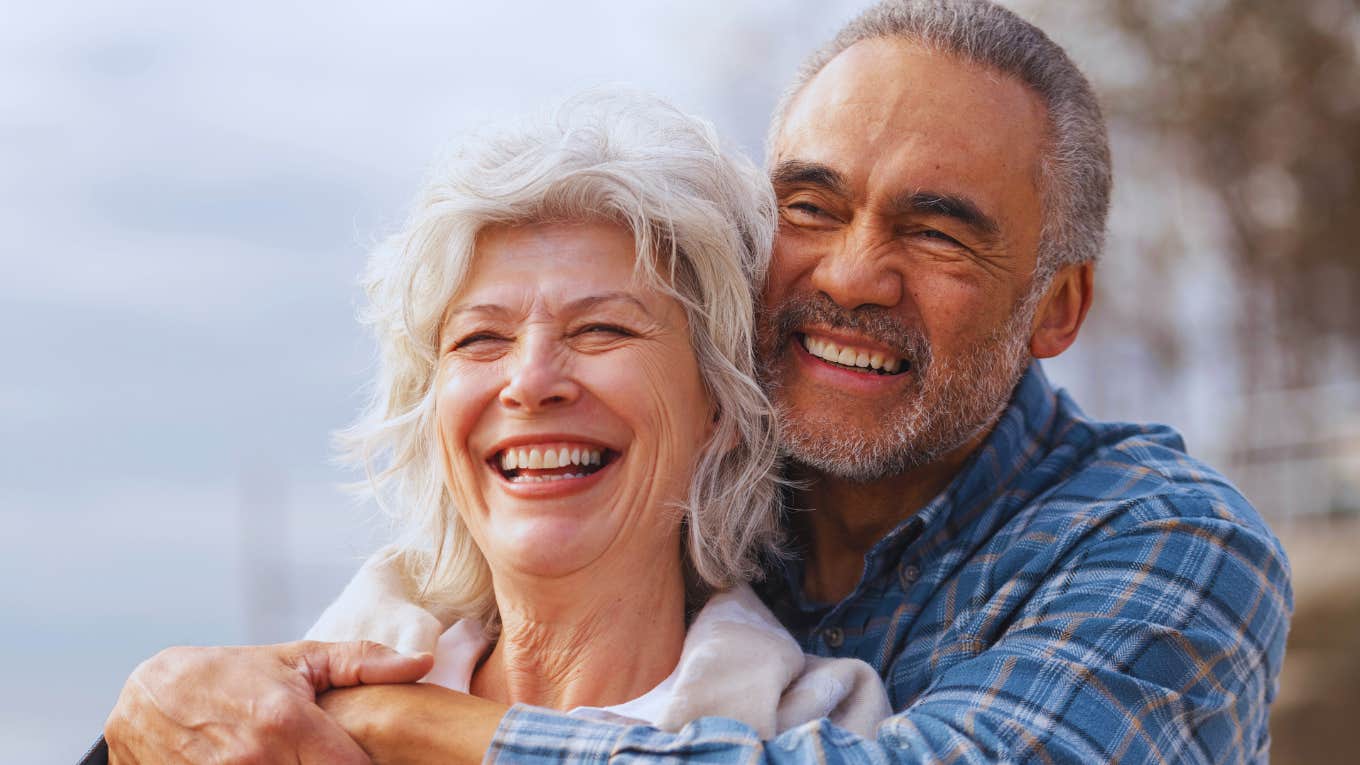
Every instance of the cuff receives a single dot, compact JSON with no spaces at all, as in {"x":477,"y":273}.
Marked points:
{"x":535,"y":735}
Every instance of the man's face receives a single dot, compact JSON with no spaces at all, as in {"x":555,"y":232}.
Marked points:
{"x":896,"y":322}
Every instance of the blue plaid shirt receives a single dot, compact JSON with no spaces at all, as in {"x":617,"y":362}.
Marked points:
{"x":1081,"y":592}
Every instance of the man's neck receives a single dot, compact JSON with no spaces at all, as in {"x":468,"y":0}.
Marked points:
{"x":847,"y":518}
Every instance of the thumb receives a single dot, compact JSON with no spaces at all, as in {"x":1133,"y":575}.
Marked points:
{"x":339,"y":665}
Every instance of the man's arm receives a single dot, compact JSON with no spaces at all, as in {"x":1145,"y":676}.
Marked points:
{"x":1158,"y":644}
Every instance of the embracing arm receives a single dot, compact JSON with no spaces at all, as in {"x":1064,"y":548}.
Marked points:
{"x":1158,"y":644}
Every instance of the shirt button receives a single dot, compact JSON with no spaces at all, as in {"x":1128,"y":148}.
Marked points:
{"x":833,"y":636}
{"x":908,"y":575}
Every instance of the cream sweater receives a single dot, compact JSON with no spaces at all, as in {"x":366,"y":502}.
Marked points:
{"x":737,"y":662}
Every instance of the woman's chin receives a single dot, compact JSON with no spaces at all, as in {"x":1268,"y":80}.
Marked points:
{"x":551,"y":547}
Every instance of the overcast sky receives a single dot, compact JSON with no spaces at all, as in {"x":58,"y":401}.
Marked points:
{"x":187,"y":193}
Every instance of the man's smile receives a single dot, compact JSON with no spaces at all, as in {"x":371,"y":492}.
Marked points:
{"x":863,"y":358}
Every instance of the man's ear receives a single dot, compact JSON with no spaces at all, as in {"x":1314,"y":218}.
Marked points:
{"x":1062,"y":310}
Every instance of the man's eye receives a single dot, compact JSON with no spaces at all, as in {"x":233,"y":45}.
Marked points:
{"x":806,"y":209}
{"x":940,"y":236}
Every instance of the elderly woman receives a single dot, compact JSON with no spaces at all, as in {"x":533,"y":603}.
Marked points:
{"x":567,"y":427}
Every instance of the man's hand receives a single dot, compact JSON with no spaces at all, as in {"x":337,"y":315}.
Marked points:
{"x":411,"y":724}
{"x":247,"y":704}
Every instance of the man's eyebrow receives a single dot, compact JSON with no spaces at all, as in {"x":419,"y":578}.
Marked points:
{"x":956,"y":206}
{"x":791,"y":172}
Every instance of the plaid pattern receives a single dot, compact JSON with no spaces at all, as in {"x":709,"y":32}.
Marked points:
{"x":1082,"y":592}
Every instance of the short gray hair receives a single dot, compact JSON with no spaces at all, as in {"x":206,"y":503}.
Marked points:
{"x":1076,"y":174}
{"x":703,"y":220}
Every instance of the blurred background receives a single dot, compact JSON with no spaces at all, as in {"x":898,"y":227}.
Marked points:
{"x":188,"y":190}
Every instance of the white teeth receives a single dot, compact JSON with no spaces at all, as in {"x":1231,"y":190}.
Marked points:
{"x":850,"y":357}
{"x":545,"y":478}
{"x":550,"y":458}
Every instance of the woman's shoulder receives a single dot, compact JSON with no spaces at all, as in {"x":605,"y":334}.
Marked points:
{"x":739,"y":662}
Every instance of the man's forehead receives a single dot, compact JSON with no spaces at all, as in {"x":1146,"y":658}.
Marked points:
{"x":882,"y":99}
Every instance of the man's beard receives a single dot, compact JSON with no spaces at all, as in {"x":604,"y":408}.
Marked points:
{"x":950,"y":401}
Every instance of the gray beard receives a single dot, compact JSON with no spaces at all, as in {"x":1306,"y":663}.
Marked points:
{"x":954,"y":400}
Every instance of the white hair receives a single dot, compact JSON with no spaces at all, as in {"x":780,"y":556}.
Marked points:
{"x":703,"y":220}
{"x":1075,"y":170}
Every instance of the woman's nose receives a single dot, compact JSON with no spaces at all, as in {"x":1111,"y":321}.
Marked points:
{"x":539,"y":382}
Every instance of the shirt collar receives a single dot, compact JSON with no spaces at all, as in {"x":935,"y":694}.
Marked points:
{"x":1019,"y":439}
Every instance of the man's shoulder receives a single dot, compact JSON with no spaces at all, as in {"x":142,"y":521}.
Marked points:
{"x":1123,"y":474}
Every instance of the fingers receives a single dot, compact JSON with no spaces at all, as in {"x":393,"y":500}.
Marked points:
{"x":339,"y":665}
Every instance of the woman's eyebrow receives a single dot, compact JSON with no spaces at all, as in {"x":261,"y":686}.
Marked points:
{"x":490,"y":310}
{"x":595,"y":301}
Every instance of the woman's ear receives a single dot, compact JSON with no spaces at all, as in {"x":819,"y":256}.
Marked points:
{"x":1062,"y":310}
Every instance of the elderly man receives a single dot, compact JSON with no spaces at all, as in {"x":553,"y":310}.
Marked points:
{"x":1031,"y":585}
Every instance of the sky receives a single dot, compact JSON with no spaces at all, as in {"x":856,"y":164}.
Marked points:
{"x":188,"y":193}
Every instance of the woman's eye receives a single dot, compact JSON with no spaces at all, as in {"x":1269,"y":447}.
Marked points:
{"x":604,"y":329}
{"x":476,"y":338}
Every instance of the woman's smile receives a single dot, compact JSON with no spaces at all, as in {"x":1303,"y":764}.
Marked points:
{"x":542,"y":466}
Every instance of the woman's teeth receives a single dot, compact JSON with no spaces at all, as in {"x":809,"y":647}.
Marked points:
{"x":550,"y":462}
{"x":548,"y":458}
{"x":848,"y":356}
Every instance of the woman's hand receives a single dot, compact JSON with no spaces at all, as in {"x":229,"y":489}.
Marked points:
{"x":416,"y":723}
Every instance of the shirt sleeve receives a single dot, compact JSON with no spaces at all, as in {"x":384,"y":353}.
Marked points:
{"x":1158,"y":643}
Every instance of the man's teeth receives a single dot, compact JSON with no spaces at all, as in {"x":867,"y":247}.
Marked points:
{"x":851,"y":357}
{"x":548,"y":458}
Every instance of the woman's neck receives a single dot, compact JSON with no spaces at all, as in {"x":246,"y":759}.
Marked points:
{"x":595,"y":639}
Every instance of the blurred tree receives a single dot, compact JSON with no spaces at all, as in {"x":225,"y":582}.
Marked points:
{"x":1264,"y":98}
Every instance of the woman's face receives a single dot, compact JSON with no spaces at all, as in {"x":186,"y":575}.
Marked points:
{"x":570,"y":407}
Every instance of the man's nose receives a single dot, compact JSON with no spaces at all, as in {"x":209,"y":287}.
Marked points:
{"x":858,"y":271}
{"x":539,"y":380}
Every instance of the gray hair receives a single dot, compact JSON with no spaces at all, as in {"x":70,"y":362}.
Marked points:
{"x":703,"y":220}
{"x":1075,"y":174}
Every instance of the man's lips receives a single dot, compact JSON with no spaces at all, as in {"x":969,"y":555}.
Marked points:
{"x":852,"y":354}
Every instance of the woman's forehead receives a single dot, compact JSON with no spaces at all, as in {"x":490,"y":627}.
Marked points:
{"x":556,"y":266}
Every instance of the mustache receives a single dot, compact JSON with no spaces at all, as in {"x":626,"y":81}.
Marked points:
{"x":874,"y":322}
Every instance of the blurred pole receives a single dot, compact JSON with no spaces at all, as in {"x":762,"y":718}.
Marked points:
{"x":263,"y":538}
